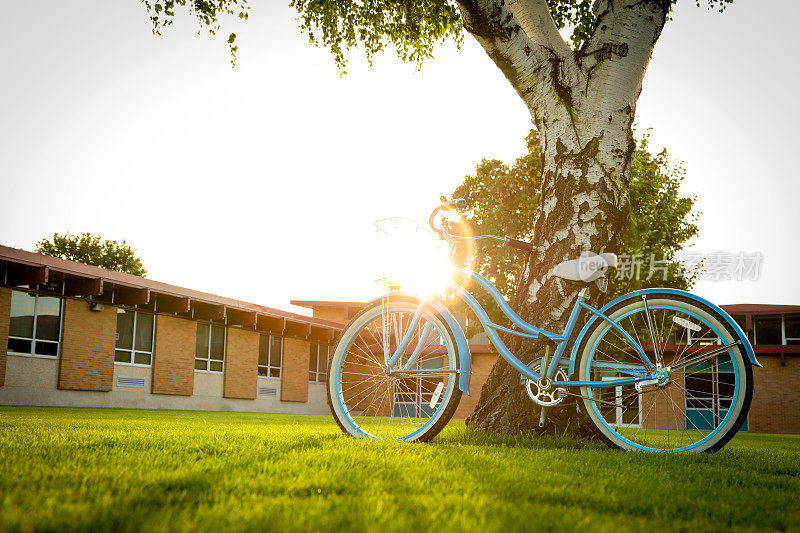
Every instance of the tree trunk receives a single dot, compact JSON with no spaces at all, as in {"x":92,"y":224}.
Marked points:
{"x":582,"y":103}
{"x":576,"y":215}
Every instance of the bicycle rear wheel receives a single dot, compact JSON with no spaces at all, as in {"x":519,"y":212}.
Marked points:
{"x":411,"y":402}
{"x":700,"y":405}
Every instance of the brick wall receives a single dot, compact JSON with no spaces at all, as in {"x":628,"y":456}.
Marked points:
{"x":776,"y":396}
{"x":294,"y":373}
{"x":482,"y":364}
{"x":5,"y":318}
{"x":241,"y":364}
{"x":87,"y":347}
{"x":665,"y":408}
{"x":359,"y":376}
{"x":173,"y":365}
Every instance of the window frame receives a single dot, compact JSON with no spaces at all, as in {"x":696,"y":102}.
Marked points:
{"x":417,"y":397}
{"x":783,"y":330}
{"x":133,"y":351}
{"x":33,"y":340}
{"x":784,"y":338}
{"x":782,"y":327}
{"x":207,"y":359}
{"x":317,"y":372}
{"x":702,"y":341}
{"x":715,"y":399}
{"x":269,"y":366}
{"x":619,"y":412}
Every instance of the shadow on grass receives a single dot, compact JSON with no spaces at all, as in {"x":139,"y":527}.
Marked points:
{"x":465,"y":436}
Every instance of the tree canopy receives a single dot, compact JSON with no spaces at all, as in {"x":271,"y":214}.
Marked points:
{"x":577,"y":182}
{"x":502,"y":200}
{"x":412,"y":28}
{"x":93,"y":250}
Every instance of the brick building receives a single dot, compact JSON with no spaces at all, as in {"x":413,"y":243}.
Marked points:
{"x":774,"y":331}
{"x":76,"y":335}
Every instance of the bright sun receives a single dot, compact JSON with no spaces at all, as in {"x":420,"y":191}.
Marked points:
{"x":412,"y":257}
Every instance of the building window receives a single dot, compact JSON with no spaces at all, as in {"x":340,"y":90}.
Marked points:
{"x":709,"y":387}
{"x":134,"y":337}
{"x":791,"y":329}
{"x":710,"y":339}
{"x":210,"y":352}
{"x":270,"y":356}
{"x":768,"y":329}
{"x":35,"y":327}
{"x":623,"y":406}
{"x":318,"y":362}
{"x":412,"y":397}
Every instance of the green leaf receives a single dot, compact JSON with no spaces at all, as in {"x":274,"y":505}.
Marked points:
{"x":502,"y":199}
{"x":91,"y":250}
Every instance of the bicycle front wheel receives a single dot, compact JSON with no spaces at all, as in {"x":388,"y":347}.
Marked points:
{"x":700,"y":405}
{"x":412,"y":401}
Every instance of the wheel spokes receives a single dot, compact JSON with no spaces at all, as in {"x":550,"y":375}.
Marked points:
{"x":391,"y":404}
{"x":681,"y":411}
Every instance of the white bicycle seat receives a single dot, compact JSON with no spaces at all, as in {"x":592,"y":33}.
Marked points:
{"x":588,"y":267}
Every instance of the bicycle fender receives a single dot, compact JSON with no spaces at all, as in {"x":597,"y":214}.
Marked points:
{"x":731,"y":322}
{"x":464,"y":355}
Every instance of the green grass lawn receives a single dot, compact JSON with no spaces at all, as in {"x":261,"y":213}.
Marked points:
{"x":104,"y":469}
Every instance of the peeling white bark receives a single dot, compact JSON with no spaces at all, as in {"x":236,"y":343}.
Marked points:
{"x":583,"y":104}
{"x":536,"y":20}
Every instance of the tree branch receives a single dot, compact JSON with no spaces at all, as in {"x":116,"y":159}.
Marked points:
{"x":540,"y":75}
{"x":536,"y":20}
{"x":615,"y":57}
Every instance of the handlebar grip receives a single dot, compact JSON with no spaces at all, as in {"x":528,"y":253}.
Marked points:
{"x":519,"y":245}
{"x":455,"y":203}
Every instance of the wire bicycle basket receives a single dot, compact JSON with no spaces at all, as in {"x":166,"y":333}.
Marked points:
{"x":410,"y":256}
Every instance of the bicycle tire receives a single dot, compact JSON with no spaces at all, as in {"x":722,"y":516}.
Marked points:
{"x":342,"y":412}
{"x":688,"y":424}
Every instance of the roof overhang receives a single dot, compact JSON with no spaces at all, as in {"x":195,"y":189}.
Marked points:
{"x":760,"y":309}
{"x":21,"y":268}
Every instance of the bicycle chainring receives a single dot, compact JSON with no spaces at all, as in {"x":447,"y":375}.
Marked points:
{"x":547,"y":397}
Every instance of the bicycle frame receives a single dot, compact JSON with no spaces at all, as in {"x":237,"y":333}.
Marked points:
{"x":644,"y":372}
{"x":635,"y":341}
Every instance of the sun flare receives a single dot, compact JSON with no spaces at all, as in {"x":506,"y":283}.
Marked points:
{"x":412,"y":258}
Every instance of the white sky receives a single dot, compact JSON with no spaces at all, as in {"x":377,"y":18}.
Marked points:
{"x":261,"y":183}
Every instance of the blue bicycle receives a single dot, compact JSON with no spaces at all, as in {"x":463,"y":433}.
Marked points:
{"x":654,"y":370}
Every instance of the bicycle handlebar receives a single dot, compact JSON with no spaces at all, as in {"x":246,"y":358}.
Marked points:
{"x":447,"y":205}
{"x":519,"y":245}
{"x":461,"y":203}
{"x":431,"y":220}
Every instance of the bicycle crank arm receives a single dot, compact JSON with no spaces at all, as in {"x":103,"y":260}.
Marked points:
{"x":702,"y":357}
